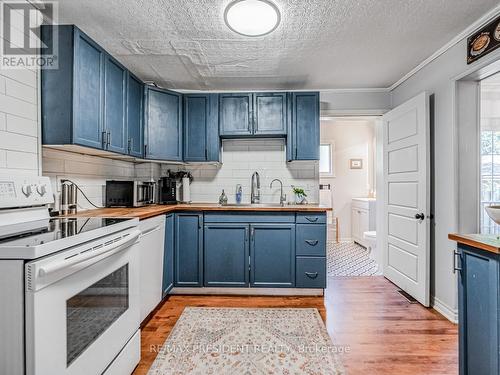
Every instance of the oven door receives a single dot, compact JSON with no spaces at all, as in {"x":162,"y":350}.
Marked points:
{"x":82,"y":306}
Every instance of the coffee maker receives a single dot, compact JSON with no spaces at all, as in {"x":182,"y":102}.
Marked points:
{"x":167,"y":190}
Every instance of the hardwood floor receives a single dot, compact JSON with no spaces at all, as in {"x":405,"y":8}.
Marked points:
{"x":381,"y":332}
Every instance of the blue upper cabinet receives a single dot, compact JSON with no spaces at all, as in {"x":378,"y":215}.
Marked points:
{"x":72,"y":96}
{"x":253,"y":114}
{"x":135,"y":107}
{"x":270,"y":114}
{"x":236,"y":114}
{"x":115,"y":101}
{"x":163,"y":120}
{"x":85,"y":101}
{"x":304,"y":133}
{"x":201,"y":132}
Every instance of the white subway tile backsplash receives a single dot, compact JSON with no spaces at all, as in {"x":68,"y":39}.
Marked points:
{"x":15,"y":124}
{"x":22,"y":160}
{"x":18,"y":107}
{"x":20,"y":91}
{"x":18,"y":142}
{"x":3,"y":121}
{"x":243,"y":157}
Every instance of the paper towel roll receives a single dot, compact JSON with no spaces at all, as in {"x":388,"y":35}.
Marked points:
{"x":186,"y":190}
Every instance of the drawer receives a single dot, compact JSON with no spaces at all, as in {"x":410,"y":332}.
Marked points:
{"x":310,"y":272}
{"x":311,"y":239}
{"x":249,"y":217}
{"x":311,"y":218}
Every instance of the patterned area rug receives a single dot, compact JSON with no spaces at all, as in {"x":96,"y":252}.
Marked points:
{"x":349,"y":259}
{"x":230,"y":341}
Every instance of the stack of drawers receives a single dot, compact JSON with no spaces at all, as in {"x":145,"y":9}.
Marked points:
{"x":310,"y":269}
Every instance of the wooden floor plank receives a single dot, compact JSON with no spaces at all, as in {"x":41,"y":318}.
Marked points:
{"x":383,"y":333}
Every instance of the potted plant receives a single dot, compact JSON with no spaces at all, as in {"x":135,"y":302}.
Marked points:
{"x":300,"y":195}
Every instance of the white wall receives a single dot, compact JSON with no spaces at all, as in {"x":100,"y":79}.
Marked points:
{"x":240,"y":159}
{"x":369,"y":101}
{"x":353,"y":139}
{"x":438,"y":78}
{"x":19,"y":128}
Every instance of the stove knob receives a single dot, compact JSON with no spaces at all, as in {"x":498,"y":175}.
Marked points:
{"x":41,"y":189}
{"x":26,"y":189}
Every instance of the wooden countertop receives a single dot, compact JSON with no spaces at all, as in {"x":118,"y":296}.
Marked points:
{"x":486,"y":242}
{"x":155,"y":210}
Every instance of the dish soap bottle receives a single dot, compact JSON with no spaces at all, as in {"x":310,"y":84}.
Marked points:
{"x":223,"y":198}
{"x":239,"y":193}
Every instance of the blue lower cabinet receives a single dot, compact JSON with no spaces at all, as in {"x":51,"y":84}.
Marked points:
{"x":168,"y":255}
{"x":188,"y":249}
{"x":311,"y":272}
{"x":272,"y":255}
{"x":311,"y":239}
{"x":226,"y":255}
{"x":479,"y":316}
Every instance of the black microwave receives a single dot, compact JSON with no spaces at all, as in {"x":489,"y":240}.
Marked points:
{"x":130,"y":193}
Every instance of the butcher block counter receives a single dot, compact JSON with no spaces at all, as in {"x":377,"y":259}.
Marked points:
{"x":155,"y":210}
{"x":486,"y":242}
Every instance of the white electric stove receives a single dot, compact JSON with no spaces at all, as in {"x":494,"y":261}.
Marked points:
{"x":69,"y":287}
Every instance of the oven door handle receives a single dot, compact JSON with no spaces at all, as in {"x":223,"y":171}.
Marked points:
{"x":106,"y":250}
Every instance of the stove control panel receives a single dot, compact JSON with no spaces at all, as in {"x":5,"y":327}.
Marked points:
{"x":25,"y":191}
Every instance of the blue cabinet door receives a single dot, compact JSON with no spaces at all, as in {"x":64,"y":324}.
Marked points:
{"x":115,"y":99}
{"x":270,"y":114}
{"x":478,"y":299}
{"x":188,"y":249}
{"x":226,"y":255}
{"x":201,"y":128}
{"x":163,"y":125}
{"x":272,"y":255}
{"x":235,"y":114}
{"x":168,"y":255}
{"x":303,"y":142}
{"x":88,"y":92}
{"x":135,"y":129}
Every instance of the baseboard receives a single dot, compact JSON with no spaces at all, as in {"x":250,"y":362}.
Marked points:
{"x":249,"y":291}
{"x":445,"y":310}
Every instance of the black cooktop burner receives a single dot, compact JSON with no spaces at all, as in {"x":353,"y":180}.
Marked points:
{"x":43,"y":231}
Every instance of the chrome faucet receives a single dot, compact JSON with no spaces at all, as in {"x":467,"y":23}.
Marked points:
{"x":255,"y":194}
{"x":282,"y":196}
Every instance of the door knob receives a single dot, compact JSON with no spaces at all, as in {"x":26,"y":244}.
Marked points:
{"x":420,"y":216}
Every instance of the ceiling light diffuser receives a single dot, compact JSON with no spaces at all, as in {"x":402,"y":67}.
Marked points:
{"x":252,"y":17}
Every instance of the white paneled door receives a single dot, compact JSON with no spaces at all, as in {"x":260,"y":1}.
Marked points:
{"x":406,"y":248}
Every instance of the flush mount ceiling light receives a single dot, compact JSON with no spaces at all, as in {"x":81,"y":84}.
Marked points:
{"x":252,"y":17}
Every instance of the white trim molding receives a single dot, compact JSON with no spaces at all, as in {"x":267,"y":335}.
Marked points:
{"x":444,"y":309}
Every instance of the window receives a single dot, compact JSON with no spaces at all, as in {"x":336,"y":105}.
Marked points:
{"x":490,"y":177}
{"x":326,"y":160}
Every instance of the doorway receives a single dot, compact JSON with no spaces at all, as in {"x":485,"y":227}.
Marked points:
{"x":348,"y":168}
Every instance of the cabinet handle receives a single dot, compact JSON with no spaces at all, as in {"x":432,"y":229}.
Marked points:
{"x":457,"y":258}
{"x":130,"y":140}
{"x":312,"y":219}
{"x":252,"y":234}
{"x":312,"y":242}
{"x":200,"y":221}
{"x":311,"y":275}
{"x":206,"y":154}
{"x":246,"y":234}
{"x":145,"y":150}
{"x":108,"y":139}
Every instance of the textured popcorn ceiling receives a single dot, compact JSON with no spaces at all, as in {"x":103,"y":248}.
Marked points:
{"x":320,"y":44}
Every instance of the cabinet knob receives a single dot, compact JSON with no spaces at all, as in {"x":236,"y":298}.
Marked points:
{"x":420,"y":216}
